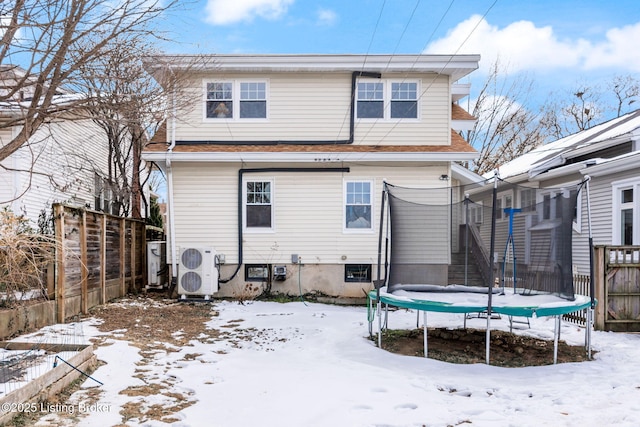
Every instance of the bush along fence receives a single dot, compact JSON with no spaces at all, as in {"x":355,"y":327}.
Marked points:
{"x":100,"y":257}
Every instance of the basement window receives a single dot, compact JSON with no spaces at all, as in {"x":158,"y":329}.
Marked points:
{"x":256,"y":272}
{"x":357,"y":273}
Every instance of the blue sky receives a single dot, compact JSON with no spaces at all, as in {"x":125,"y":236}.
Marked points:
{"x":556,"y":43}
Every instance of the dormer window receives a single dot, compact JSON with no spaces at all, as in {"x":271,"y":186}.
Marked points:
{"x":236,"y":99}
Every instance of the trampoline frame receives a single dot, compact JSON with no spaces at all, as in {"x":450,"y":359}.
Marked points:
{"x":382,"y":297}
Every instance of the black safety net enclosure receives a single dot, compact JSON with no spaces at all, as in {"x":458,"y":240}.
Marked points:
{"x":492,"y":235}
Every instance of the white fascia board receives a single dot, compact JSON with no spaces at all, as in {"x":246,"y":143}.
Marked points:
{"x":460,"y":125}
{"x":318,"y":157}
{"x":457,"y":66}
{"x":466,"y":176}
{"x":606,"y":167}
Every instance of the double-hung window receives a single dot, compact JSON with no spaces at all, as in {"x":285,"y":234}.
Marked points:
{"x":626,"y":212}
{"x":404,"y":100}
{"x":387,"y":99}
{"x":258,"y":205}
{"x":358,"y":205}
{"x":236,"y":99}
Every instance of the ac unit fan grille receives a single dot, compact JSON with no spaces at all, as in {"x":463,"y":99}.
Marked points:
{"x":191,"y":281}
{"x":191,"y":258}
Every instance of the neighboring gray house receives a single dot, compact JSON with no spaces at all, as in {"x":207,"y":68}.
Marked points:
{"x":65,"y":161}
{"x":276,"y":169}
{"x":609,"y":154}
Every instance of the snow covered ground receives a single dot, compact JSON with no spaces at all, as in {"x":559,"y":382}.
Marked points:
{"x":312,"y":365}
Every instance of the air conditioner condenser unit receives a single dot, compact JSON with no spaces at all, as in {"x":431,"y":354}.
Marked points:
{"x":197,"y":272}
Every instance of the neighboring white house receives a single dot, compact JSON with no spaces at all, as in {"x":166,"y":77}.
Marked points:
{"x":277,"y":166}
{"x":609,"y":154}
{"x":66,"y":160}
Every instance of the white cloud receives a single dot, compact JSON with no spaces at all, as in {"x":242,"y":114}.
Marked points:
{"x":523,"y":46}
{"x":327,"y":17}
{"x":620,"y":49}
{"x":221,"y":12}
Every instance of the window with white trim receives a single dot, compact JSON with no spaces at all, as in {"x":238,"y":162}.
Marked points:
{"x":258,"y":205}
{"x":626,"y":212}
{"x":386,"y":99}
{"x":358,"y":205}
{"x":503,"y":201}
{"x":236,"y":99}
{"x":475,"y":213}
{"x":528,"y":199}
{"x":552,"y":210}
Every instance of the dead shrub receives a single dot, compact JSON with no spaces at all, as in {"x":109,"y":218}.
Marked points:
{"x":24,"y":257}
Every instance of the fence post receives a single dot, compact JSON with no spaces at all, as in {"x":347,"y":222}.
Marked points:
{"x":123,"y":249}
{"x":132,"y":286}
{"x":60,"y":261}
{"x":103,"y":259}
{"x":600,"y":277}
{"x":84,"y":294}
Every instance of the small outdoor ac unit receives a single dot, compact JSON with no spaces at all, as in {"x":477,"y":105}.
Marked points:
{"x":156,"y":262}
{"x":197,"y":272}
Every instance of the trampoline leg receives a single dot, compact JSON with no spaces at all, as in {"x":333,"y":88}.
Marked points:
{"x":386,"y":316}
{"x":370,"y":317}
{"x":555,"y":340}
{"x":488,"y":338}
{"x":588,"y":331}
{"x":425,"y":333}
{"x":379,"y":325}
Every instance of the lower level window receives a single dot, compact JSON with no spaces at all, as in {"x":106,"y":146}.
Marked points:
{"x":357,"y":273}
{"x":256,"y":272}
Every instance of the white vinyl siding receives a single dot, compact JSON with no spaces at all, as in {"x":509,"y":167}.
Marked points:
{"x":64,"y":156}
{"x":316,"y":107}
{"x":308,"y":212}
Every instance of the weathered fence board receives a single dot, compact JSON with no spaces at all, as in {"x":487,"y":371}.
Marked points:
{"x":618,"y":288}
{"x":102,"y":257}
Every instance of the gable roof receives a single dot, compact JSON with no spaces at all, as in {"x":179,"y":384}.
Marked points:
{"x":556,"y":153}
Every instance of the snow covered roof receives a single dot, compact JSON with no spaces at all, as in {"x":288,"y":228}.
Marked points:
{"x":556,"y":153}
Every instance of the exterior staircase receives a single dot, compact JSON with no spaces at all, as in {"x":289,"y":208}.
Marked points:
{"x":457,"y":270}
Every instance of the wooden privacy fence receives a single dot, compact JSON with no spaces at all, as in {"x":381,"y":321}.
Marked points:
{"x":617,"y":273}
{"x":102,"y":257}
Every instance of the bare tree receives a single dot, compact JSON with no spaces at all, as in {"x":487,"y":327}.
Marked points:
{"x":55,"y":39}
{"x":505,"y":128}
{"x":626,"y":90}
{"x":129,"y":106}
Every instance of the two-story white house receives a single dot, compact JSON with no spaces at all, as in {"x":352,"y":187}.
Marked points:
{"x":275,"y":167}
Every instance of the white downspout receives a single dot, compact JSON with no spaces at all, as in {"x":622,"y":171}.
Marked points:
{"x":172,"y":230}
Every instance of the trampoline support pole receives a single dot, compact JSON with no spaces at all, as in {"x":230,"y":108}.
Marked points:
{"x":379,"y":324}
{"x":488,"y":339}
{"x":587,"y":331}
{"x":424,"y":315}
{"x":556,"y":335}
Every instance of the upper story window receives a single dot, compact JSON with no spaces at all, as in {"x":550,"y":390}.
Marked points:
{"x":236,"y":99}
{"x":387,"y":99}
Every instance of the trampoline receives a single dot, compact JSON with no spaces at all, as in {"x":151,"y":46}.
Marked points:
{"x":466,"y":300}
{"x":416,"y":253}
